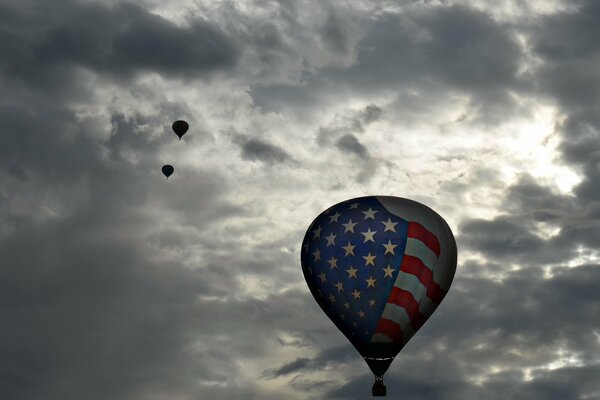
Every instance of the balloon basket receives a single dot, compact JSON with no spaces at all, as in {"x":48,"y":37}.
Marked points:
{"x":379,"y":388}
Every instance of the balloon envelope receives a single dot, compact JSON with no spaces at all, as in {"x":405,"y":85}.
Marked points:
{"x":379,"y":266}
{"x":180,"y":128}
{"x":168,"y":170}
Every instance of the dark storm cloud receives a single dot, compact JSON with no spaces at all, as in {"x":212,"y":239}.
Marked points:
{"x":256,"y":149}
{"x":423,"y":54}
{"x":580,"y":146}
{"x":90,"y":294}
{"x":341,"y":132}
{"x":327,"y":358}
{"x":116,"y":40}
{"x":335,"y":33}
{"x":529,"y":198}
{"x":297,"y":365}
{"x":349,"y":143}
{"x":575,"y":383}
{"x":85,"y":292}
{"x":570,"y":75}
{"x":371,"y":113}
{"x":78,"y":307}
{"x":516,"y":234}
{"x":93,"y":294}
{"x":94,"y":305}
{"x":502,"y":237}
{"x":566,"y":36}
{"x":348,"y":123}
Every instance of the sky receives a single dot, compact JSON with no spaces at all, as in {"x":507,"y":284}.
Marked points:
{"x":118,"y":284}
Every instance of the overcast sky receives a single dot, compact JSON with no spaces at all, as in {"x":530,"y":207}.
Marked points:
{"x":118,"y":284}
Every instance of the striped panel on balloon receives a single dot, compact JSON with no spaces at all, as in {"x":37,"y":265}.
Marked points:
{"x":415,"y":294}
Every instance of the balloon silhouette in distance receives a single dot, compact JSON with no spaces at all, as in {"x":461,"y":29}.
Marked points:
{"x":180,"y":128}
{"x":378,"y":266}
{"x":168,"y":170}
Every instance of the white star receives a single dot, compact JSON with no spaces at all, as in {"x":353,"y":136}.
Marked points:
{"x":370,"y":282}
{"x":354,"y":205}
{"x":389,"y":247}
{"x":339,"y":286}
{"x":332,"y":262}
{"x":349,"y":226}
{"x":334,"y":217}
{"x":317,"y":232}
{"x":323,"y":279}
{"x":369,"y":259}
{"x":356,"y":294}
{"x":349,"y":249}
{"x":332,"y":298}
{"x":330,"y":239}
{"x":369,"y":235}
{"x":389,"y":225}
{"x":346,"y":305}
{"x":361,"y":314}
{"x":351,"y":272}
{"x":388,"y":272}
{"x":317,"y":255}
{"x":371,"y":302}
{"x":369,"y":213}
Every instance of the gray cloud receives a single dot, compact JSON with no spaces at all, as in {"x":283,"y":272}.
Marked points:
{"x":430,"y":52}
{"x":256,"y":149}
{"x":116,"y":40}
{"x":328,"y":358}
{"x":529,"y":198}
{"x":117,"y":284}
{"x":569,"y":77}
{"x":349,"y":143}
{"x":341,"y":132}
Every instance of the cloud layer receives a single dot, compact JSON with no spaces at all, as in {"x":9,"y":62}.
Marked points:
{"x":117,"y":284}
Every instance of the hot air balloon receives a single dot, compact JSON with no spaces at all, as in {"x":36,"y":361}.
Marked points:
{"x":180,"y":128}
{"x":168,"y":170}
{"x":378,"y":266}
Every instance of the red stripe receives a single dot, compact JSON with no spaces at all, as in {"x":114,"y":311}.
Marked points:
{"x":390,"y":329}
{"x":413,"y":265}
{"x":418,"y":231}
{"x":405,"y":299}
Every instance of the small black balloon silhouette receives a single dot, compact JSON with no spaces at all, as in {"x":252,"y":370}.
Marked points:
{"x":180,"y":128}
{"x":168,"y":170}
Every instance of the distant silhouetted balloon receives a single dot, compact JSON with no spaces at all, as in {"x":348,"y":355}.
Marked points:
{"x":168,"y":170}
{"x":180,"y":128}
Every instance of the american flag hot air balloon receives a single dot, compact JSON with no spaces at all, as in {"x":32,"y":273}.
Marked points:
{"x":379,"y":266}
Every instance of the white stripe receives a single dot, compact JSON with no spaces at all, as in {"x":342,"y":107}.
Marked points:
{"x":380,"y":338}
{"x":411,"y":284}
{"x":416,"y":248}
{"x":397,"y":314}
